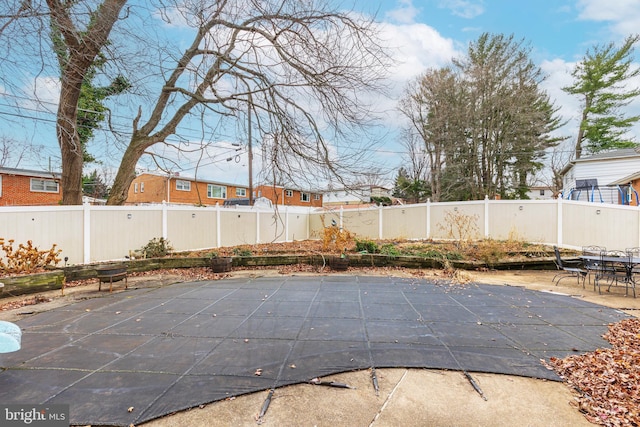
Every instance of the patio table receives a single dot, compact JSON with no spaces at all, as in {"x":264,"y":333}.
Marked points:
{"x":628,"y":263}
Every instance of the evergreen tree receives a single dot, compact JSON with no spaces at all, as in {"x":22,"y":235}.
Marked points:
{"x":599,"y":80}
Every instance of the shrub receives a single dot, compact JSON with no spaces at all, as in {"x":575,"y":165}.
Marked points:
{"x":238,"y":251}
{"x":460,"y":227}
{"x":156,"y":248}
{"x":390,"y":249}
{"x":335,"y":238}
{"x":368,"y":246}
{"x":27,"y":258}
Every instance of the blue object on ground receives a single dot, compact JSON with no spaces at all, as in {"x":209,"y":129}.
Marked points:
{"x":10,"y":337}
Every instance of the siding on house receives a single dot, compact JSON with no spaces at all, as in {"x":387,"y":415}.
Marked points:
{"x":631,"y":186}
{"x":21,"y":187}
{"x":286,"y":196}
{"x":607,"y":168}
{"x":540,"y":193}
{"x":354,"y":196}
{"x":156,"y":188}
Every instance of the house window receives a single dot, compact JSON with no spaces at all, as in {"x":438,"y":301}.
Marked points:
{"x":183,"y":185}
{"x":288,"y":193}
{"x":316,"y":197}
{"x":44,"y":185}
{"x":142,"y":187}
{"x":305,"y":197}
{"x":542,"y":192}
{"x":135,"y":187}
{"x":241,"y":192}
{"x":216,"y":191}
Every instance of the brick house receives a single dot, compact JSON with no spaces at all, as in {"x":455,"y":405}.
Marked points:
{"x":155,"y":188}
{"x":286,"y":196}
{"x":21,"y":187}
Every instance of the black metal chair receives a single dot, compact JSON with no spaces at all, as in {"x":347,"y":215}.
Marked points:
{"x":634,"y":268}
{"x":613,"y":268}
{"x":592,"y":265}
{"x":568,"y":269}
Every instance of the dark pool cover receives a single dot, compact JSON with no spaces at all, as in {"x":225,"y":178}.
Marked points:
{"x":167,"y":349}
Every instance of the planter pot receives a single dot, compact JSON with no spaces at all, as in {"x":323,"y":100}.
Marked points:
{"x":339,"y":263}
{"x":221,"y":264}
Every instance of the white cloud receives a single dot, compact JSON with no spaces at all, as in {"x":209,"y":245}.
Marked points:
{"x":404,"y":14}
{"x":42,"y":94}
{"x":414,"y":49}
{"x":464,"y":8}
{"x":623,"y":15}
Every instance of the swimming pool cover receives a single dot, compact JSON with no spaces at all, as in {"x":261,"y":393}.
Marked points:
{"x":166,"y":349}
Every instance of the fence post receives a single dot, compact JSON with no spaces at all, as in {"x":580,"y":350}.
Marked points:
{"x":380,"y":222}
{"x":165,"y":220}
{"x":560,"y":231}
{"x":286,"y":223}
{"x":341,"y":213}
{"x":428,"y":218}
{"x":86,"y":225}
{"x":486,"y":216}
{"x":218,"y":228}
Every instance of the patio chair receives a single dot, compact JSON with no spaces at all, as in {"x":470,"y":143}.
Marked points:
{"x":634,"y":266}
{"x":568,"y":269}
{"x":613,"y":268}
{"x":592,"y":265}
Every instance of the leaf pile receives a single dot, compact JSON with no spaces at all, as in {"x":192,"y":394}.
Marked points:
{"x":608,"y":380}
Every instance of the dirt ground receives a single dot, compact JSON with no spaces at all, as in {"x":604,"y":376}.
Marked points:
{"x":413,"y":397}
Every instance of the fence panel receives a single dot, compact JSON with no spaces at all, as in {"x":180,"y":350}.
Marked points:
{"x":45,"y":226}
{"x":191,"y":228}
{"x":362,"y":222}
{"x":400,"y":222}
{"x":117,"y":230}
{"x":238,"y":227}
{"x":451,"y":219}
{"x":527,"y":220}
{"x":113,"y":231}
{"x":611,"y":226}
{"x":297,"y":224}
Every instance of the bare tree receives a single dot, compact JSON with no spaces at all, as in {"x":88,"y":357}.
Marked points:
{"x":434,"y":104}
{"x":296,"y":66}
{"x":75,"y":33}
{"x":301,"y":69}
{"x":13,"y":152}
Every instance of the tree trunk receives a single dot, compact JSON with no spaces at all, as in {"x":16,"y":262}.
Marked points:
{"x":69,"y":140}
{"x":79,"y":51}
{"x":126,"y":172}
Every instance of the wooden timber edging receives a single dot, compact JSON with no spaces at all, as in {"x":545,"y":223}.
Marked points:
{"x":51,"y":280}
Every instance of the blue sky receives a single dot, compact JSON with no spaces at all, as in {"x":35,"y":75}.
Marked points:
{"x":428,"y":33}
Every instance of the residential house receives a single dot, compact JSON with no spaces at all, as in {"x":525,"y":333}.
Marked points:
{"x":21,"y":187}
{"x":540,"y":192}
{"x":151,"y":187}
{"x":359,"y":195}
{"x":288,"y":196}
{"x":630,"y":185}
{"x":603,"y":177}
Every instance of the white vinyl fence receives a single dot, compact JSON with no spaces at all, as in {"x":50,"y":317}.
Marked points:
{"x":88,"y":234}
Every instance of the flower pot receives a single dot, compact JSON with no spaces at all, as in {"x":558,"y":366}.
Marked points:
{"x":220,"y":264}
{"x":339,"y":263}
